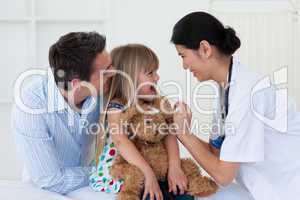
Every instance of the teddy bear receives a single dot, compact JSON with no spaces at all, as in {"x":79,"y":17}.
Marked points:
{"x":147,"y":126}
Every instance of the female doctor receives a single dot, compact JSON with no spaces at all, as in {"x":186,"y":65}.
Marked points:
{"x":258,"y":151}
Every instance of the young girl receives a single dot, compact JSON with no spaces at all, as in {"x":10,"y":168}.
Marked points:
{"x":140,"y":64}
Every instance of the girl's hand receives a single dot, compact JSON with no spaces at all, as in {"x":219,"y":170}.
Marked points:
{"x":182,"y":118}
{"x":152,"y":187}
{"x":177,"y":178}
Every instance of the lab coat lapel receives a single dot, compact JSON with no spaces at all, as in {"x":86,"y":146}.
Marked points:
{"x":241,"y":85}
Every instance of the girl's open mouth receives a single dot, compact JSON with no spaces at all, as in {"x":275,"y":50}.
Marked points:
{"x":153,"y":89}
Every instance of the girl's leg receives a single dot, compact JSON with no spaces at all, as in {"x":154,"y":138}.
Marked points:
{"x":183,"y":197}
{"x":231,"y":192}
{"x":169,"y":196}
{"x":164,"y":189}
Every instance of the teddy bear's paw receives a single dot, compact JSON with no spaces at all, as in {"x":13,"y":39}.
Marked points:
{"x":128,"y":196}
{"x":117,"y":171}
{"x":202,"y":187}
{"x":190,"y":168}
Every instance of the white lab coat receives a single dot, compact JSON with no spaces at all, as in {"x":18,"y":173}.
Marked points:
{"x":269,"y":156}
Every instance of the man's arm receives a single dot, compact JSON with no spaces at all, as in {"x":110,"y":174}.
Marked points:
{"x":36,"y":147}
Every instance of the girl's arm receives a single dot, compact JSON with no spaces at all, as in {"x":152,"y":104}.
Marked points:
{"x":173,"y":150}
{"x":176,"y":176}
{"x":130,"y":153}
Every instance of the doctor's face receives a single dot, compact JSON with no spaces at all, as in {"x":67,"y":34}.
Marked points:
{"x":194,"y":62}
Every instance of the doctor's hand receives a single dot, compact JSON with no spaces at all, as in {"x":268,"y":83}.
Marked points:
{"x":182,"y":118}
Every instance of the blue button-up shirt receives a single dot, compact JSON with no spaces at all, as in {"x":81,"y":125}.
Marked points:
{"x":56,"y":143}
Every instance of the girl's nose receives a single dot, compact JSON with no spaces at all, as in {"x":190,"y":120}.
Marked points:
{"x":156,"y":78}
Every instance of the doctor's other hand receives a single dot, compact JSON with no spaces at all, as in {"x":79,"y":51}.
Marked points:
{"x":182,"y":118}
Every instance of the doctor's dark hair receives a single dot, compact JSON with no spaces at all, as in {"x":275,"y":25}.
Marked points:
{"x":197,"y":26}
{"x":72,"y":56}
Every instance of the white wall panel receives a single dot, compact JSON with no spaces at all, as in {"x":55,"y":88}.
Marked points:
{"x":49,"y":32}
{"x":29,"y":27}
{"x":14,"y":55}
{"x":14,"y":9}
{"x":70,"y":9}
{"x":269,"y":36}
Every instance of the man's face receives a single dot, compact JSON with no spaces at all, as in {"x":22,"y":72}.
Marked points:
{"x":101,"y":64}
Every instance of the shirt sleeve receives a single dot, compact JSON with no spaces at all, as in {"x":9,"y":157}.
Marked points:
{"x":244,"y":132}
{"x":37,"y":148}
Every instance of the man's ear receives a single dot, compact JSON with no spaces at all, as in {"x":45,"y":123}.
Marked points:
{"x":205,"y":49}
{"x":75,"y":83}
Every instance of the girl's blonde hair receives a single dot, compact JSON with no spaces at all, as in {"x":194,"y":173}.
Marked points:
{"x":130,"y":59}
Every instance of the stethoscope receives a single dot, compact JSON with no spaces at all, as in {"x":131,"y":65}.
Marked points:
{"x":225,"y":93}
{"x":224,"y":107}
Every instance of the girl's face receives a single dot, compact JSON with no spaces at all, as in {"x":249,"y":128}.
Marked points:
{"x":196,"y":61}
{"x":147,"y":81}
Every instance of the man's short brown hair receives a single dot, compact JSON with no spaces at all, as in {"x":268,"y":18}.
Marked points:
{"x":73,"y":54}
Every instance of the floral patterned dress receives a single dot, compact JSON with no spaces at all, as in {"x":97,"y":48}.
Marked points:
{"x":100,"y":178}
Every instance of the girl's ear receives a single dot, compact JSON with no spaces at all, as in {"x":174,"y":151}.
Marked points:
{"x":205,"y":49}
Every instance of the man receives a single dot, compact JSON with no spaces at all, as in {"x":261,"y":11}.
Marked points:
{"x":56,"y":137}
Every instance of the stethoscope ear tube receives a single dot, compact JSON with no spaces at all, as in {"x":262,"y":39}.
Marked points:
{"x":224,"y":106}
